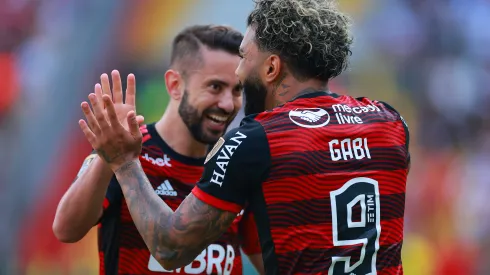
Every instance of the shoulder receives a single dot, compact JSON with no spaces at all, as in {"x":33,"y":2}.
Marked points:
{"x":378,"y":105}
{"x":250,"y":128}
{"x":245,"y":141}
{"x":388,"y":108}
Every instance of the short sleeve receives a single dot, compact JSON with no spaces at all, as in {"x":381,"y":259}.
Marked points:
{"x":250,"y":236}
{"x":235,"y":167}
{"x":405,"y":128}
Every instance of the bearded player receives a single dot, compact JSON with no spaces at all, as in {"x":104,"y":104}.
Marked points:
{"x":324,"y":174}
{"x":205,"y":95}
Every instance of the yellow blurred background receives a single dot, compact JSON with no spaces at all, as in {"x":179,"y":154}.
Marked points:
{"x":428,"y":59}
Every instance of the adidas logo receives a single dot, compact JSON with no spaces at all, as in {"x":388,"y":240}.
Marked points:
{"x":165,"y":189}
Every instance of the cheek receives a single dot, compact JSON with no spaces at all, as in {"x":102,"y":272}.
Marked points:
{"x":239,"y":70}
{"x":237,"y":102}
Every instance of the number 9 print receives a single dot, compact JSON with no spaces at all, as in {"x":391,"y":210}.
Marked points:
{"x":347,"y":232}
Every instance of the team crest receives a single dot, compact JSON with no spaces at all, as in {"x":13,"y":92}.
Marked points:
{"x":215,"y":149}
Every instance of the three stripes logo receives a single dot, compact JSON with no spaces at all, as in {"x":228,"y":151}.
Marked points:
{"x":166,"y":189}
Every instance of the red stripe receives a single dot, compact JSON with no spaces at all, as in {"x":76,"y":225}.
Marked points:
{"x":215,"y":202}
{"x":391,"y":232}
{"x":308,"y":139}
{"x":248,"y":231}
{"x":133,"y":261}
{"x":395,"y":270}
{"x":319,"y":236}
{"x":105,"y":204}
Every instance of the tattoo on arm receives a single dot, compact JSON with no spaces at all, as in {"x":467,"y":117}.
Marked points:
{"x":106,"y":157}
{"x":174,"y":239}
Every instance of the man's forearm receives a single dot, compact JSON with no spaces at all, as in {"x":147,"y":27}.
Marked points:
{"x":151,"y":215}
{"x":174,"y":239}
{"x":81,"y":206}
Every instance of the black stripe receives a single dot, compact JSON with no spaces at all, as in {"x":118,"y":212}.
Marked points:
{"x":314,"y":261}
{"x":258,"y":207}
{"x":109,"y":237}
{"x":318,"y":162}
{"x":405,"y":126}
{"x":319,"y":211}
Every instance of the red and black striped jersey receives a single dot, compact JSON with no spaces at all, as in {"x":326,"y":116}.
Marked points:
{"x":173,"y":176}
{"x":325,"y":178}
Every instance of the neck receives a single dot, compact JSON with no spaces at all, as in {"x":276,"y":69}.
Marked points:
{"x":290,"y":88}
{"x":176,"y":134}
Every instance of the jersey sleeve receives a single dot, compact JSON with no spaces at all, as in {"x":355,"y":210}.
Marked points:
{"x":248,"y":231}
{"x":235,"y":167}
{"x":405,"y":128}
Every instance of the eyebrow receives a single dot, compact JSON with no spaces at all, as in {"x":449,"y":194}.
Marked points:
{"x":217,"y":81}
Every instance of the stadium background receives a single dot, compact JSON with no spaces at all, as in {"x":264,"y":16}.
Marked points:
{"x":429,"y":59}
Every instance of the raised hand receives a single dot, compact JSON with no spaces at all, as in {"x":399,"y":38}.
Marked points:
{"x":122,"y":107}
{"x":113,"y":143}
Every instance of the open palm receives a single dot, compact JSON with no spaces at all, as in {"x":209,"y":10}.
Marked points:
{"x":111,"y":126}
{"x":121,"y":106}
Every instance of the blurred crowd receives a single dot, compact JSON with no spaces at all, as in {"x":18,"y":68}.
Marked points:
{"x":428,"y":59}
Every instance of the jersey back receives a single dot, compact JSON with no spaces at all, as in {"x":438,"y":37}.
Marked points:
{"x":335,"y":192}
{"x":325,"y":176}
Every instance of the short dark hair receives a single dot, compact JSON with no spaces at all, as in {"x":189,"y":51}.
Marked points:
{"x":311,"y":36}
{"x":187,"y":44}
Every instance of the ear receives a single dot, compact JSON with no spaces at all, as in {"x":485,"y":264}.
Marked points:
{"x":272,"y":68}
{"x":174,"y":83}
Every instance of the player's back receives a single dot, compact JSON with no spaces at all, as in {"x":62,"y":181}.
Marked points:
{"x":334,"y":194}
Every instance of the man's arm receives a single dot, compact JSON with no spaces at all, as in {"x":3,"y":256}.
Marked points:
{"x":232,"y":172}
{"x":81,"y":206}
{"x":174,"y":239}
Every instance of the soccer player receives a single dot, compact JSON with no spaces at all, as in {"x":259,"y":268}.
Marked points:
{"x":205,"y":95}
{"x":323,"y":174}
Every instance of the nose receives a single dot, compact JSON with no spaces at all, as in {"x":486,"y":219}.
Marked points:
{"x":226,"y":102}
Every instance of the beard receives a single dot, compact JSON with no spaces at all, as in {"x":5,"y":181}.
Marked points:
{"x":255,"y":94}
{"x":194,"y":121}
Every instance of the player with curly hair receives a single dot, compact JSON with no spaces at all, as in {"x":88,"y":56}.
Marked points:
{"x":324,"y":174}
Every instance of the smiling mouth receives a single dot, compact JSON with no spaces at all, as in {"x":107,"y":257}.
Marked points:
{"x":218,"y":119}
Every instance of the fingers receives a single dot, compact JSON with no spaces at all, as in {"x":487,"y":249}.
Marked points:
{"x":106,"y":86}
{"x":117,"y":87}
{"x":131,"y":90}
{"x":134,"y":128}
{"x":140,"y":119}
{"x":98,"y":92}
{"x":97,"y":107}
{"x":111,"y":111}
{"x":87,"y":132}
{"x":92,"y":122}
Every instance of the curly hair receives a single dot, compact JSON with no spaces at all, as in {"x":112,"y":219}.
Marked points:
{"x":311,"y":36}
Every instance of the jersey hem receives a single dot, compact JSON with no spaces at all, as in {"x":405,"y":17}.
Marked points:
{"x":215,"y":202}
